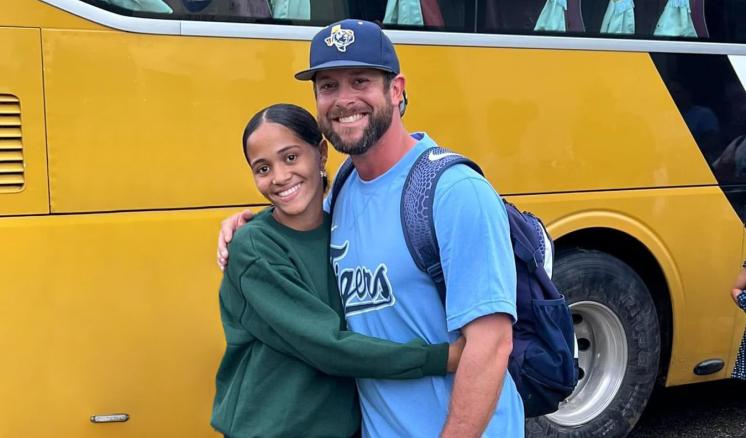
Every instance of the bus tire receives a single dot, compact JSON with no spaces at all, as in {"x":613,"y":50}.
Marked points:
{"x":618,"y":334}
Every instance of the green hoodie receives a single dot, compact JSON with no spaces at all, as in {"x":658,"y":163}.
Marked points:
{"x":289,"y":360}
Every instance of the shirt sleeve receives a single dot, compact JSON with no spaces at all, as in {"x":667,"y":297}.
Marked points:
{"x":473,"y":233}
{"x":282,"y":313}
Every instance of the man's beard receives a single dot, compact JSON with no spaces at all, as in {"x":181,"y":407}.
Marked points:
{"x":377,"y":126}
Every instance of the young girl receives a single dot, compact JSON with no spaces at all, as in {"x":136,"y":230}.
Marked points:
{"x":288,"y":363}
{"x":739,"y":296}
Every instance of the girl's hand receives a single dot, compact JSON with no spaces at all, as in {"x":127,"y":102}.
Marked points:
{"x":227,"y":228}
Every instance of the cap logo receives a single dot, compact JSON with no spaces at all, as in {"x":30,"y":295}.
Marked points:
{"x":340,"y":38}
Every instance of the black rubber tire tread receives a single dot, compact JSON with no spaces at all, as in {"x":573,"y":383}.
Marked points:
{"x":589,"y":275}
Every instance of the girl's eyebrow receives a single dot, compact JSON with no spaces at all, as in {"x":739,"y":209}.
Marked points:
{"x":281,"y":151}
{"x":290,"y":146}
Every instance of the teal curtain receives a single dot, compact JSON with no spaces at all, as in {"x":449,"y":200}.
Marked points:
{"x":619,"y":17}
{"x":552,"y":17}
{"x":404,"y":12}
{"x":291,"y":9}
{"x":676,"y":20}
{"x":142,"y":5}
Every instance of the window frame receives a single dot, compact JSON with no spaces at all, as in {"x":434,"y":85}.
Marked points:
{"x":160,"y":26}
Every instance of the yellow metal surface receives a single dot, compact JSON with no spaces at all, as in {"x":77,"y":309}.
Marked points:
{"x":104,"y":314}
{"x":541,"y":120}
{"x":157,"y":115}
{"x":165,"y":115}
{"x":117,"y":312}
{"x":21,"y":77}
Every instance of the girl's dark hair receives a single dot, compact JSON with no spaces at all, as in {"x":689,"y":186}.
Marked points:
{"x":293,"y":117}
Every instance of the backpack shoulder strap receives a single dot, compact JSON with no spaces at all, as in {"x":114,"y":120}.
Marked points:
{"x":345,"y":170}
{"x":418,"y":196}
{"x":524,"y":249}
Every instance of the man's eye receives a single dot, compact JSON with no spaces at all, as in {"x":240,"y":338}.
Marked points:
{"x":326,"y":86}
{"x":292,"y":157}
{"x":360,"y":81}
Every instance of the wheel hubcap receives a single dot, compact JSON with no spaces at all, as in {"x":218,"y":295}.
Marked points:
{"x":602,"y":357}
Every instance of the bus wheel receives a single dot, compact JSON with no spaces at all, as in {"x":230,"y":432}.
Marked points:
{"x":616,"y":326}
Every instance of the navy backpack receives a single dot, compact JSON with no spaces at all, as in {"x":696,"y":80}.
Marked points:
{"x":542,"y":363}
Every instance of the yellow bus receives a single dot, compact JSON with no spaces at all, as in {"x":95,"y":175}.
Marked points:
{"x":620,"y":124}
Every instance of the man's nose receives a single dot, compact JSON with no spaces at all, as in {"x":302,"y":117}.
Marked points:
{"x":347,"y":95}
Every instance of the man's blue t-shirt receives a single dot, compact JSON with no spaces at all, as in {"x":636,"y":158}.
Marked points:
{"x":385,"y":295}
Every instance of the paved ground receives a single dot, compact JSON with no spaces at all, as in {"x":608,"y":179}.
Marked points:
{"x":709,"y":410}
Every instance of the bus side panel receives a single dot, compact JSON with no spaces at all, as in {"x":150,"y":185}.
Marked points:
{"x":22,"y":138}
{"x":542,"y":121}
{"x":142,"y":121}
{"x":164,"y":115}
{"x":690,"y":232}
{"x":103,"y":314}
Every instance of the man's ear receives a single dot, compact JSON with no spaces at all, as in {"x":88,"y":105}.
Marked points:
{"x":398,"y":93}
{"x":397,"y":88}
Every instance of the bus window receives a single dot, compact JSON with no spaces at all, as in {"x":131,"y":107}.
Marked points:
{"x":453,"y":16}
{"x":698,"y":18}
{"x":560,"y":16}
{"x":155,"y":6}
{"x":619,"y":17}
{"x":414,"y":13}
{"x":714,"y":110}
{"x":291,"y":9}
{"x":407,"y":12}
{"x":506,"y":16}
{"x":540,"y":16}
{"x":676,"y":20}
{"x":552,"y":17}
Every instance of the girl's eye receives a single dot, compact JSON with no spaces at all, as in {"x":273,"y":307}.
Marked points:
{"x":262,"y":170}
{"x":292,"y":157}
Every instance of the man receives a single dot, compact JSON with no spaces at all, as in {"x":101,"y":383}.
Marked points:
{"x":360,"y":95}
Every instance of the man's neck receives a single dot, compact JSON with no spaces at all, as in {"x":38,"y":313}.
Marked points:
{"x":383,"y":155}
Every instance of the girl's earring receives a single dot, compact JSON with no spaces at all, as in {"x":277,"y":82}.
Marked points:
{"x":323,"y":173}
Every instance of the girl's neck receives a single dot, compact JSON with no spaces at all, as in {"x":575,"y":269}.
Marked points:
{"x":306,"y":221}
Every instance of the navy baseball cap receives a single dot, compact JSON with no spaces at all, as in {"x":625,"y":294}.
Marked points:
{"x":350,"y":44}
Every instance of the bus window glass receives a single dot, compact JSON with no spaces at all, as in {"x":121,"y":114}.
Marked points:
{"x":453,"y":16}
{"x":676,"y":20}
{"x":649,"y":19}
{"x":291,"y":9}
{"x":560,"y":16}
{"x":712,"y":103}
{"x":530,"y":16}
{"x":154,"y":6}
{"x":702,"y":20}
{"x":509,"y":16}
{"x":552,"y":17}
{"x":619,"y":17}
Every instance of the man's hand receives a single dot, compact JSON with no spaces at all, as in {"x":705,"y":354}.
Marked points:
{"x":227,"y":228}
{"x":480,"y":375}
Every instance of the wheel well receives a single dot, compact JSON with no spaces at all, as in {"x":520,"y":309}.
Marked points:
{"x":641,"y":260}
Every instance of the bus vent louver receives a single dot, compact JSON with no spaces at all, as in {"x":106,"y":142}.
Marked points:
{"x":11,"y":146}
